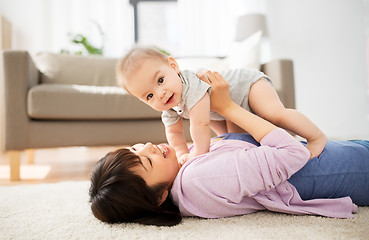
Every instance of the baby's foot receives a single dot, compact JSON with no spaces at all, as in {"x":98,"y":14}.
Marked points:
{"x":317,"y":145}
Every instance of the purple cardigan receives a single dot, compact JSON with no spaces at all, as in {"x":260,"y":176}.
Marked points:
{"x":237,"y":178}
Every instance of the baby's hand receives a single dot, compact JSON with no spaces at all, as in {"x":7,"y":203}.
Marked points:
{"x":184,"y":158}
{"x":317,"y":145}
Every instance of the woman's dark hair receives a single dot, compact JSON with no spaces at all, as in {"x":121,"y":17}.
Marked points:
{"x":118,"y":194}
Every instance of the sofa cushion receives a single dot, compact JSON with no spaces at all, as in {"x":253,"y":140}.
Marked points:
{"x":243,"y":54}
{"x":75,"y":69}
{"x":82,"y":102}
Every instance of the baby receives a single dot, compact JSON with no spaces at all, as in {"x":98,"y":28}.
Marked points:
{"x":155,"y":79}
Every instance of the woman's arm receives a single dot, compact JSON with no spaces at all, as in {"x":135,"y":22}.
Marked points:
{"x":279,"y":156}
{"x":220,"y":101}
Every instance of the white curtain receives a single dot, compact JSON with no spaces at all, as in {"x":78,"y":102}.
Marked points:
{"x":68,"y":17}
{"x":207,"y":27}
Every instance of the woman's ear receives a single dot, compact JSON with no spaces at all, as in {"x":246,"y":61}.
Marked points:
{"x":163,"y":197}
{"x":173,"y":64}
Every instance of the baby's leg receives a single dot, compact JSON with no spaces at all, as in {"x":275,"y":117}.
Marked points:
{"x":231,"y":127}
{"x":219,"y":127}
{"x":264,"y":101}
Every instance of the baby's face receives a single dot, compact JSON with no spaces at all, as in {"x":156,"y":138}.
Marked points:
{"x":157,"y":84}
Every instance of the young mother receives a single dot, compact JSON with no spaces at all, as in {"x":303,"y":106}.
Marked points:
{"x":145,"y":184}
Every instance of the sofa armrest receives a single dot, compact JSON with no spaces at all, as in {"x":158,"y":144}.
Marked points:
{"x":281,"y":73}
{"x":18,"y":74}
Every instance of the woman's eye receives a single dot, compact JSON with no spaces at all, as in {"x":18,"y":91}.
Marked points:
{"x":150,"y":161}
{"x":160,"y":80}
{"x":149,"y":96}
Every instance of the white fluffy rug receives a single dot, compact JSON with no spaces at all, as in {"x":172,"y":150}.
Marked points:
{"x":61,"y":211}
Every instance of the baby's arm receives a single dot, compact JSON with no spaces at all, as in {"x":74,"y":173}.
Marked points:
{"x":200,"y":126}
{"x":176,"y":138}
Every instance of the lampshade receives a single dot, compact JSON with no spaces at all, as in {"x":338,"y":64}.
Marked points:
{"x":249,"y":24}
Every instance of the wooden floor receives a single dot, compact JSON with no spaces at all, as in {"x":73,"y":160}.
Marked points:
{"x":54,"y":165}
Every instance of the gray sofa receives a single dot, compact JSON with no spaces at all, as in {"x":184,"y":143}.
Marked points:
{"x":55,"y":100}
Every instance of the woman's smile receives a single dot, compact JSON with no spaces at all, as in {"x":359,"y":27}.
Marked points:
{"x":164,"y":149}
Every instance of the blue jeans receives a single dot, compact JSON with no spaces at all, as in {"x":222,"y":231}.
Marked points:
{"x":341,"y":170}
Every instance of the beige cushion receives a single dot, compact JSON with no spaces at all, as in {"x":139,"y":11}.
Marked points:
{"x":244,"y":54}
{"x":82,"y":102}
{"x":74,"y":69}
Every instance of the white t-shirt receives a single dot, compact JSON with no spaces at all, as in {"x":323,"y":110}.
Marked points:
{"x":240,"y":81}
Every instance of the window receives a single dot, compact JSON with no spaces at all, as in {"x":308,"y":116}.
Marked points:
{"x":156,"y":22}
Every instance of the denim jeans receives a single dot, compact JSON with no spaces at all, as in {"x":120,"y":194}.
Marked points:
{"x":341,"y":170}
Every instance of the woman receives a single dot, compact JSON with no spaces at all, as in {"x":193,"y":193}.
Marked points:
{"x":239,"y":175}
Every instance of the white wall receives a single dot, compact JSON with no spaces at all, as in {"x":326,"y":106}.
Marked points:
{"x":326,"y":40}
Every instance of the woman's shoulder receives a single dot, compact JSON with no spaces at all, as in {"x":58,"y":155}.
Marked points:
{"x":205,"y":166}
{"x":205,"y":181}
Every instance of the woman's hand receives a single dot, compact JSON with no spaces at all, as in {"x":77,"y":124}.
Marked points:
{"x":221,"y":102}
{"x":220,"y":98}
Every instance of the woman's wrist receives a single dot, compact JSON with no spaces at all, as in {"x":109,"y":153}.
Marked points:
{"x":228,"y":110}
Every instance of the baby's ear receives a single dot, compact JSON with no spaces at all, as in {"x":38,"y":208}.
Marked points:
{"x":163,"y":197}
{"x":173,"y":64}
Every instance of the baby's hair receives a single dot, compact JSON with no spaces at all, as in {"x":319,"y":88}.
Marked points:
{"x":118,"y":194}
{"x":133,"y":60}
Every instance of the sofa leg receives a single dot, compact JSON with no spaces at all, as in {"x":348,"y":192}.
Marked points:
{"x":30,"y":156}
{"x":14,"y":163}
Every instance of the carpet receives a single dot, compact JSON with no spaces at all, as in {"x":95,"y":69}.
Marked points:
{"x":61,"y":211}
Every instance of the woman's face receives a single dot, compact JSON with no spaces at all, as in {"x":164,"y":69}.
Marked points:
{"x":159,"y":163}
